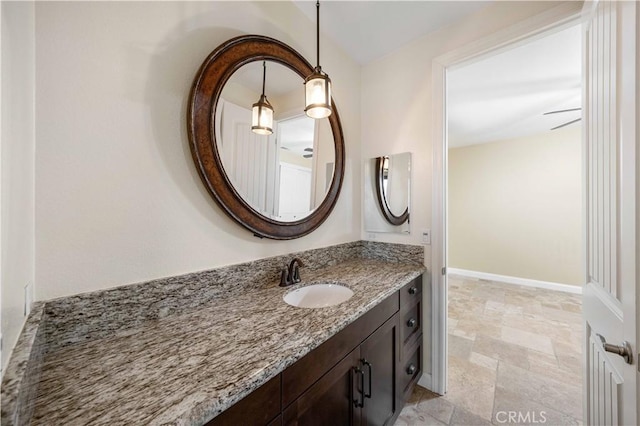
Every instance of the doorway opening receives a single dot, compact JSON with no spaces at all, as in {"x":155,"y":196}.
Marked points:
{"x":515,"y":239}
{"x":610,"y":156}
{"x":514,"y":235}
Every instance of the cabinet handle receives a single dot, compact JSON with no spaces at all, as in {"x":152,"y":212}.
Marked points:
{"x":368,"y":365}
{"x":411,"y":323}
{"x":411,"y":369}
{"x":413,"y":290}
{"x":358,"y":372}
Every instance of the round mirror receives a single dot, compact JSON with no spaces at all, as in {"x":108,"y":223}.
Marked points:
{"x":281,"y":185}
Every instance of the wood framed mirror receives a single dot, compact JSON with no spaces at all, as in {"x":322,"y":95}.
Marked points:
{"x":264,"y":202}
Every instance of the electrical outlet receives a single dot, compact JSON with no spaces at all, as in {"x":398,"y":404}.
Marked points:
{"x":426,"y":237}
{"x":372,"y":236}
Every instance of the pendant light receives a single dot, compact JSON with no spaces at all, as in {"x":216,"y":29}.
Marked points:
{"x":318,"y":84}
{"x":262,"y":120}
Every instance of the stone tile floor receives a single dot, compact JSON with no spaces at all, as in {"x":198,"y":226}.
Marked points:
{"x":515,"y":356}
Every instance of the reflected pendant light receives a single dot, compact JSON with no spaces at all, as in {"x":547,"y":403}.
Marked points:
{"x":318,"y":84}
{"x":262,"y":117}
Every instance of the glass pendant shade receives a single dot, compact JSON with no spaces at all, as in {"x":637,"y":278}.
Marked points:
{"x":262,"y":111}
{"x":318,"y":95}
{"x":317,"y":87}
{"x":262,"y":117}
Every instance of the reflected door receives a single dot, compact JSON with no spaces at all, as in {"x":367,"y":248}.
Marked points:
{"x":295,"y":192}
{"x":250,"y":160}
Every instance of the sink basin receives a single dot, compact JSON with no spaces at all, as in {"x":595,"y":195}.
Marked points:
{"x":318,"y":296}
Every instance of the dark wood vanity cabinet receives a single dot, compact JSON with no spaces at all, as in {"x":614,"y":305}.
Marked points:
{"x":361,"y":389}
{"x":361,"y":376}
{"x":411,"y":336}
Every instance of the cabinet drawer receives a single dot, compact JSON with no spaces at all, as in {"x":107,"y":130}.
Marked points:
{"x":411,"y":324}
{"x":411,"y":294}
{"x":411,"y":369}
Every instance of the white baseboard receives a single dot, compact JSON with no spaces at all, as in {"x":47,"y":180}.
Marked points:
{"x":426,"y":381}
{"x":518,"y":281}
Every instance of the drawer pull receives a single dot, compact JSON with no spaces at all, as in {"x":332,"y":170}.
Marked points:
{"x":411,"y":369}
{"x":413,"y":290}
{"x":411,"y":323}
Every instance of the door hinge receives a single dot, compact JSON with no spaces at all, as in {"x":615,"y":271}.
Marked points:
{"x":444,"y":270}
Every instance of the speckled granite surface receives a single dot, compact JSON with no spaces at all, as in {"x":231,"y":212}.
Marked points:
{"x":101,"y":314}
{"x":20,"y":381}
{"x":392,"y":252}
{"x":182,"y":349}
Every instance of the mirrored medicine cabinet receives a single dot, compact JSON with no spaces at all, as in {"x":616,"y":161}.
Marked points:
{"x":387,"y":193}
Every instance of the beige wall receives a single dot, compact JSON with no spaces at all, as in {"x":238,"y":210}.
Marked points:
{"x":515,"y":207}
{"x":17,"y":147}
{"x":118,"y":199}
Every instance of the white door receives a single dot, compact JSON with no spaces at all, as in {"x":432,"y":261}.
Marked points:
{"x":295,"y":192}
{"x":610,"y":114}
{"x":250,"y":160}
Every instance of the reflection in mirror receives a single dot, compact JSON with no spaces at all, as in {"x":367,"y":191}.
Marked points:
{"x":283,"y":176}
{"x":391,"y":188}
{"x":387,"y":193}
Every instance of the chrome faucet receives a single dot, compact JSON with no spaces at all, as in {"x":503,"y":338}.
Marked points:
{"x":291,"y":275}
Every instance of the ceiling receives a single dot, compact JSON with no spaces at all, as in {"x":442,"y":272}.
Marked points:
{"x":504,"y":96}
{"x":369,"y":30}
{"x":296,"y":134}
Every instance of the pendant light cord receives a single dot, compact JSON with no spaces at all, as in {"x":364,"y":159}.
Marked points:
{"x":264,"y":74}
{"x":318,"y":32}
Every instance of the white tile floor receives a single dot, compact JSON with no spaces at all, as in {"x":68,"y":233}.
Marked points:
{"x":512,"y":349}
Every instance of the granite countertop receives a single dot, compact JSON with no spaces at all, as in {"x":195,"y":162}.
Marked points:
{"x":185,"y":368}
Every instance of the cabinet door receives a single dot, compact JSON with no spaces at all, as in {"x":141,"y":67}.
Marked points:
{"x":380,"y":355}
{"x":335,"y":399}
